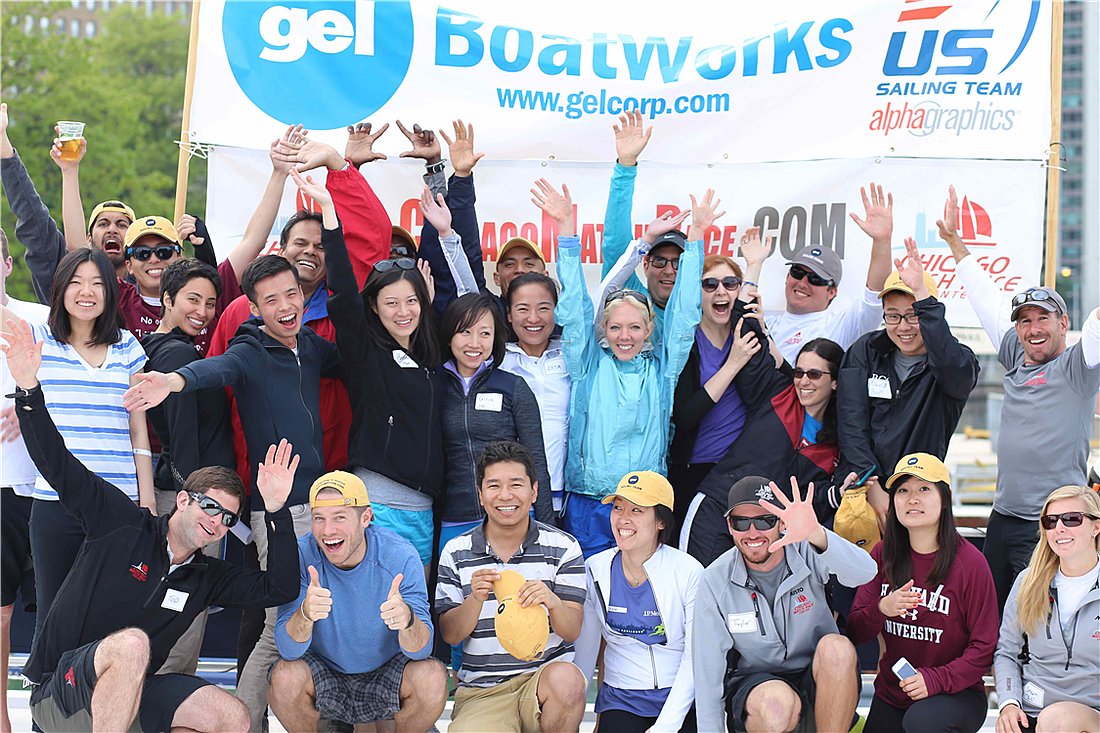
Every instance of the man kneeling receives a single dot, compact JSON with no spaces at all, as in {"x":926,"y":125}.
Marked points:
{"x":342,"y":659}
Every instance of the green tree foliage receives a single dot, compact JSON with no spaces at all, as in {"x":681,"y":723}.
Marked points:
{"x":126,"y":84}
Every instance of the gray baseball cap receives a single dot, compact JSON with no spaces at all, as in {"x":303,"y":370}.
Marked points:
{"x":821,"y":261}
{"x":749,"y":490}
{"x":1040,"y":297}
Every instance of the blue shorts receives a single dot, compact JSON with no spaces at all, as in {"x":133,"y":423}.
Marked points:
{"x":415,"y":526}
{"x":589,"y":522}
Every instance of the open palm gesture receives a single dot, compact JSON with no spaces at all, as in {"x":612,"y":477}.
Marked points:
{"x":631,"y":138}
{"x":797,"y":514}
{"x":24,"y":355}
{"x":879,"y":213}
{"x":275,"y":477}
{"x":360,"y":147}
{"x":911,"y":271}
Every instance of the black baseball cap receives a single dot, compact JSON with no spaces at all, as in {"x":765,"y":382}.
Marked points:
{"x":749,"y":490}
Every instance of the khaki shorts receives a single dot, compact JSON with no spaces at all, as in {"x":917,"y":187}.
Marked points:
{"x":510,"y":706}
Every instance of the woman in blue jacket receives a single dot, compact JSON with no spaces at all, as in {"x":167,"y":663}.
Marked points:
{"x":621,"y":401}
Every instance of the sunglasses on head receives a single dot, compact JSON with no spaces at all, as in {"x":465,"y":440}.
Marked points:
{"x":1070,"y":519}
{"x":661,"y":262}
{"x":162,"y":251}
{"x":405,"y":263}
{"x":814,"y":374}
{"x":798,"y":272}
{"x":710,"y":284}
{"x":401,"y":250}
{"x":624,"y":293}
{"x":742,"y":524}
{"x":213,"y":508}
{"x":1032,"y":295}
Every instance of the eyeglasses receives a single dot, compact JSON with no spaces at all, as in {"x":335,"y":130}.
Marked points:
{"x":1033,"y":295}
{"x":626,"y":293}
{"x":162,"y":251}
{"x":814,"y":374}
{"x":213,"y":508}
{"x":742,"y":524}
{"x":798,"y":272}
{"x":893,"y":319}
{"x":402,"y":250}
{"x":1070,"y":519}
{"x":661,"y":262}
{"x":405,"y":263}
{"x":710,"y":284}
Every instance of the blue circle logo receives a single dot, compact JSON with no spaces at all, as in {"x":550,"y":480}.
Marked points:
{"x":325,"y":65}
{"x":633,"y":479}
{"x":815,"y":252}
{"x":912,"y":460}
{"x":150,"y":222}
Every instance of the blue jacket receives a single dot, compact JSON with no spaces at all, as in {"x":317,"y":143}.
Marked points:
{"x":620,"y":411}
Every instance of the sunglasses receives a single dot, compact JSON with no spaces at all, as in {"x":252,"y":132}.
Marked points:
{"x":405,"y":263}
{"x":893,"y":319}
{"x":710,"y":284}
{"x":162,"y":251}
{"x":1034,"y":295}
{"x":402,"y":250}
{"x":213,"y":508}
{"x":626,"y":293}
{"x":661,"y":262}
{"x":814,"y":374}
{"x":799,"y":273}
{"x":742,"y":524}
{"x":1070,"y":519}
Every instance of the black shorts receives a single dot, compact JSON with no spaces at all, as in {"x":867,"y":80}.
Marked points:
{"x":357,"y":698}
{"x":801,"y":682}
{"x":63,"y":703}
{"x":16,"y":568}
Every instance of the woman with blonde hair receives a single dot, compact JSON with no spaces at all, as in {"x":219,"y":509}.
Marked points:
{"x":1047,"y":662}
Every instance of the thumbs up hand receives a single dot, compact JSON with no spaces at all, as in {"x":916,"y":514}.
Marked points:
{"x":395,"y":613}
{"x":318,"y":602}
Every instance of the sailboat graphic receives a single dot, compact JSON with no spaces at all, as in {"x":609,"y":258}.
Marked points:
{"x":975,"y":225}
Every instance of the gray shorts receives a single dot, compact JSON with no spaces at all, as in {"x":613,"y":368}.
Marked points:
{"x":357,"y":698}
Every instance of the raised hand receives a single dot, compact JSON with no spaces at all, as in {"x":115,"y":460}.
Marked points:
{"x":436,"y":212}
{"x":55,"y":153}
{"x":185,"y":227}
{"x":752,"y":249}
{"x":311,"y":188}
{"x":424,"y":142}
{"x":275,"y":476}
{"x":558,"y":206}
{"x":24,"y":354}
{"x":305,"y":155}
{"x":534,"y":592}
{"x":703,"y":215}
{"x":797,"y":514}
{"x":151,"y":389}
{"x":481,"y":583}
{"x":293,"y":134}
{"x":949,"y":224}
{"x":318,"y":601}
{"x":744,"y":345}
{"x":879,"y":213}
{"x":663,"y":224}
{"x":360,"y":147}
{"x":461,"y":149}
{"x":426,"y":272}
{"x":630,"y":139}
{"x":395,"y":613}
{"x":911,"y":270}
{"x":901,"y":600}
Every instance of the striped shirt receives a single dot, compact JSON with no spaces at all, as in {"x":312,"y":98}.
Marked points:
{"x":85,"y":403}
{"x":546,"y":554}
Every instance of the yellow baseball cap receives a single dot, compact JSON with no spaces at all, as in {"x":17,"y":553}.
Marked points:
{"x":350,"y":486}
{"x":894,"y":283}
{"x":922,"y":465}
{"x":520,"y":242}
{"x":116,"y":206}
{"x":523,"y":632}
{"x":644,"y":488}
{"x":403,"y":233}
{"x":157,"y":225}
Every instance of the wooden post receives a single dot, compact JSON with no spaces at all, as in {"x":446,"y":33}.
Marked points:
{"x":185,"y":128}
{"x":1053,"y":161}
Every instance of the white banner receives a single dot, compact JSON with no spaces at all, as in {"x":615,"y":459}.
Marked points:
{"x":809,"y":202}
{"x":726,"y":81}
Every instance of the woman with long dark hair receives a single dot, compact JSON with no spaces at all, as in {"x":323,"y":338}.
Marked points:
{"x":934,"y":604}
{"x":89,"y":360}
{"x":388,"y":349}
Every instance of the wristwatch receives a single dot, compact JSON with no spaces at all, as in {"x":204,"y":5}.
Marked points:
{"x":432,"y":168}
{"x":24,"y":393}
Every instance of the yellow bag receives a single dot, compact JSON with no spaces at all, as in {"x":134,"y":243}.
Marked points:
{"x":856,"y":520}
{"x":522,"y":632}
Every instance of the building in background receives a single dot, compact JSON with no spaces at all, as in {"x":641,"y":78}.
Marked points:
{"x":82,"y":19}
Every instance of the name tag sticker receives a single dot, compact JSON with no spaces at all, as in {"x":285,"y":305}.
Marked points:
{"x":404,"y":360}
{"x":174,"y":600}
{"x":741,"y":623}
{"x":1033,"y":694}
{"x":493,"y":401}
{"x":555,"y":367}
{"x":878,"y":386}
{"x":616,"y":609}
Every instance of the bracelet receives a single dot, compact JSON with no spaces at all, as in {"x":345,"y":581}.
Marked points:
{"x":302,"y":610}
{"x":347,"y":165}
{"x":142,"y":452}
{"x":412,"y":617}
{"x":749,"y":282}
{"x":433,"y":168}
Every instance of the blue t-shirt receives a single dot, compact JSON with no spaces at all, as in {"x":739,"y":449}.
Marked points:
{"x":721,"y":426}
{"x":810,"y":428}
{"x":633,"y":612}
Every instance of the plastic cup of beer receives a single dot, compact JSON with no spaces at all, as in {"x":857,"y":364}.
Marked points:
{"x":70,"y":134}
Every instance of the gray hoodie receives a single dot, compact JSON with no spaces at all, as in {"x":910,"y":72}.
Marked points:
{"x":1062,"y":666}
{"x":730,"y":614}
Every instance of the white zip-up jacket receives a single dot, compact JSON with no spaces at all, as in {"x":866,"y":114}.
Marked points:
{"x":628,"y":663}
